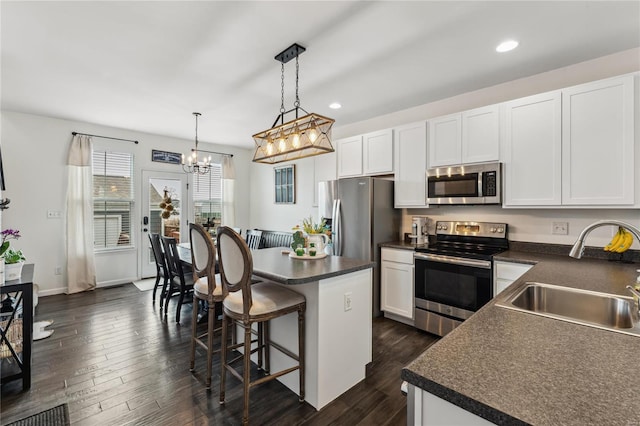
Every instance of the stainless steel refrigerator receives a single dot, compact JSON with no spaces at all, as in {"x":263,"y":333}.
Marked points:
{"x":361,"y":214}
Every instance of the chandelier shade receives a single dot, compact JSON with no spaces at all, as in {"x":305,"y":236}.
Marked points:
{"x":301,"y":137}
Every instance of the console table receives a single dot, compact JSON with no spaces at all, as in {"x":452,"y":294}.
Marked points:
{"x":16,"y":328}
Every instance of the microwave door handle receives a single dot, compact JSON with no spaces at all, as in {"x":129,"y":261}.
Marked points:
{"x":337,"y":244}
{"x":480,"y":179}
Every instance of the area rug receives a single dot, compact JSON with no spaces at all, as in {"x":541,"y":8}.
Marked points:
{"x":56,"y":416}
{"x":145,"y":285}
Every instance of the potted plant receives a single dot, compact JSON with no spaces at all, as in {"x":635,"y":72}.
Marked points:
{"x":10,"y":256}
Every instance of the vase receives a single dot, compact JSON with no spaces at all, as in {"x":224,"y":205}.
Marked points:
{"x":1,"y":271}
{"x":13,"y":271}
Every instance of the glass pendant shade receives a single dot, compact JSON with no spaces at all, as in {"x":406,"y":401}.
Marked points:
{"x":303,"y":137}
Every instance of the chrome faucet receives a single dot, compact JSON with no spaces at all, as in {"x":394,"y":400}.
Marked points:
{"x":578,"y":248}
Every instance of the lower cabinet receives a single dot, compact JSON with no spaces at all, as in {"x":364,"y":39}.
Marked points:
{"x":505,"y":273}
{"x":396,"y":281}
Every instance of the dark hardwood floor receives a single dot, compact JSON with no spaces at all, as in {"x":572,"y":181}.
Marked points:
{"x":115,"y":359}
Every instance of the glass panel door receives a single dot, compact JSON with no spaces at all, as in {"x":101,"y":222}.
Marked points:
{"x":164,"y":211}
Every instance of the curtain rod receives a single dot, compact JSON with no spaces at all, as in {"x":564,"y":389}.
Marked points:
{"x":213,"y":152}
{"x":104,"y":137}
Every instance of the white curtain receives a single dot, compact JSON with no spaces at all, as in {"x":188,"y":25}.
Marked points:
{"x":81,"y":268}
{"x":228,"y":196}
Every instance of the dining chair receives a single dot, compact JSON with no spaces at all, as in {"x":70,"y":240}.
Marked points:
{"x":162,"y":271}
{"x":181,"y":278}
{"x":253,"y":238}
{"x":246,"y":304}
{"x":207,"y":288}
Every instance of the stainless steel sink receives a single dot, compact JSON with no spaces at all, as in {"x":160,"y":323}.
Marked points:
{"x":601,"y":310}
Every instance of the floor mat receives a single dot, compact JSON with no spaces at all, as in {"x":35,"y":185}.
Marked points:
{"x":56,"y":416}
{"x":145,"y":285}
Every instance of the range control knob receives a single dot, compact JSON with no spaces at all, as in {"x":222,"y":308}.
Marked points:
{"x":501,"y":230}
{"x":445,"y":227}
{"x":493,"y":230}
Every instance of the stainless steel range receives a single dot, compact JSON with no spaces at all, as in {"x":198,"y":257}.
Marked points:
{"x":453,"y":276}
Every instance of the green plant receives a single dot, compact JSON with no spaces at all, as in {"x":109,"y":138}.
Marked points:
{"x":13,"y":256}
{"x":6,"y":235}
{"x":311,"y":227}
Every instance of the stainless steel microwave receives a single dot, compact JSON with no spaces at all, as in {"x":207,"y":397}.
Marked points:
{"x":470,"y":184}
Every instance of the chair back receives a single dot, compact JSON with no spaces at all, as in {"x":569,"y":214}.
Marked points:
{"x":203,"y":255}
{"x":236,"y":265}
{"x":173,"y":258}
{"x":254,"y":237}
{"x":158,"y":255}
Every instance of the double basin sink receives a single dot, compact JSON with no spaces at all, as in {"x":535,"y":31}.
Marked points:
{"x":601,"y":310}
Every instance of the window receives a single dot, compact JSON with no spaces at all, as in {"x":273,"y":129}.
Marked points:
{"x":285,"y":184}
{"x":207,"y":198}
{"x":112,"y":199}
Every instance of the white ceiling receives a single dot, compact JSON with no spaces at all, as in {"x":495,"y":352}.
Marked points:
{"x":147,"y":66}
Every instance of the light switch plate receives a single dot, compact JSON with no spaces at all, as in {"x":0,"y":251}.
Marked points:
{"x":560,"y":228}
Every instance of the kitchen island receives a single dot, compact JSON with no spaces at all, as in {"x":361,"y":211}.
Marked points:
{"x":511,"y":367}
{"x":337,"y":320}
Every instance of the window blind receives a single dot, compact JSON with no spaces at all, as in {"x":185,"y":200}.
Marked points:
{"x":112,"y":199}
{"x":207,"y":197}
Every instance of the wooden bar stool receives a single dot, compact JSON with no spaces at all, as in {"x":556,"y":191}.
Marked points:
{"x":247,"y":304}
{"x":206,"y":287}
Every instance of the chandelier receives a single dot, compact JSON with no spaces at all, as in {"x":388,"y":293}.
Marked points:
{"x":194,"y":164}
{"x":303,"y":136}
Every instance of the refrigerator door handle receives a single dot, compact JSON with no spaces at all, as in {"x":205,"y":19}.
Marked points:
{"x":337,"y":243}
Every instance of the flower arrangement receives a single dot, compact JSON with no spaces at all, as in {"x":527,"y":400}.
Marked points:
{"x":10,"y":256}
{"x":311,"y":227}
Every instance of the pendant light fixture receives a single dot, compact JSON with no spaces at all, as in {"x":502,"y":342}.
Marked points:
{"x":194,"y":164}
{"x":300,"y":137}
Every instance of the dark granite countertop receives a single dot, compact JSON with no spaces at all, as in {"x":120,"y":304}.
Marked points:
{"x":516,"y":368}
{"x":402,"y":245}
{"x":273,"y":264}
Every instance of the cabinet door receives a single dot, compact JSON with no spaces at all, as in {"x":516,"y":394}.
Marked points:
{"x":532,"y":151}
{"x":481,"y":135}
{"x":349,"y":156}
{"x":410,"y":165}
{"x":505,"y":273}
{"x":377,"y":152}
{"x":396,"y":281}
{"x":324,"y":168}
{"x":445,"y":138}
{"x":598,"y":143}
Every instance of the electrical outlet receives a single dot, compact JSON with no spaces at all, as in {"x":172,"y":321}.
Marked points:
{"x":560,"y":228}
{"x":54,"y":214}
{"x":347,"y":301}
{"x":58,"y":270}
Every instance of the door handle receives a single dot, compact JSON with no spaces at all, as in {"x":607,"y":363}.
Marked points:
{"x":145,"y":220}
{"x":145,"y":230}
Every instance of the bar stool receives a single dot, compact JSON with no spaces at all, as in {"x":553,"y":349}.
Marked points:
{"x":206,"y":287}
{"x":247,"y":304}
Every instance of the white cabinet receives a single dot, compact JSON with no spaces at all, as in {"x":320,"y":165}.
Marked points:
{"x":377,"y":152}
{"x":370,"y":154}
{"x":349,"y":156}
{"x":575,"y":147}
{"x":396,"y":282}
{"x":469,"y":137}
{"x":505,"y":273}
{"x":410,"y":155}
{"x":532,"y":151}
{"x":324,"y":168}
{"x":598,"y":143}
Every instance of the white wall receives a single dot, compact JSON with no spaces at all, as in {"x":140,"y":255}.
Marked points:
{"x":34,"y":152}
{"x":524,"y":225}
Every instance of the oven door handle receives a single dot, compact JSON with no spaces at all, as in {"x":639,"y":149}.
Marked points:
{"x":484,"y":264}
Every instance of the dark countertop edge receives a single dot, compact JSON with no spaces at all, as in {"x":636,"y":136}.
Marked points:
{"x":293,"y":281}
{"x":460,"y":400}
{"x":401,"y":245}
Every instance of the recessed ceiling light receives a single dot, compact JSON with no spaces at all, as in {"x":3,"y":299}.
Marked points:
{"x":335,"y":105}
{"x":506,"y":46}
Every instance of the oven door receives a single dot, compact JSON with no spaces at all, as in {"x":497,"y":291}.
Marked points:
{"x":461,"y":286}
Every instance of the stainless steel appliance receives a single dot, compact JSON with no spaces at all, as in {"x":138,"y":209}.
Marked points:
{"x":361,"y":214}
{"x":471,"y":184}
{"x":419,"y":234}
{"x":454,"y":276}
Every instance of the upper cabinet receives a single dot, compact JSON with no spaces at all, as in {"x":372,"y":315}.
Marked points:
{"x":532,"y":151}
{"x":573,"y":147}
{"x":469,"y":137}
{"x":369,"y":154}
{"x":410,"y":151}
{"x":598,"y":143}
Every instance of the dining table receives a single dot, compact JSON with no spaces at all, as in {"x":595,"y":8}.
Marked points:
{"x":338,"y":319}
